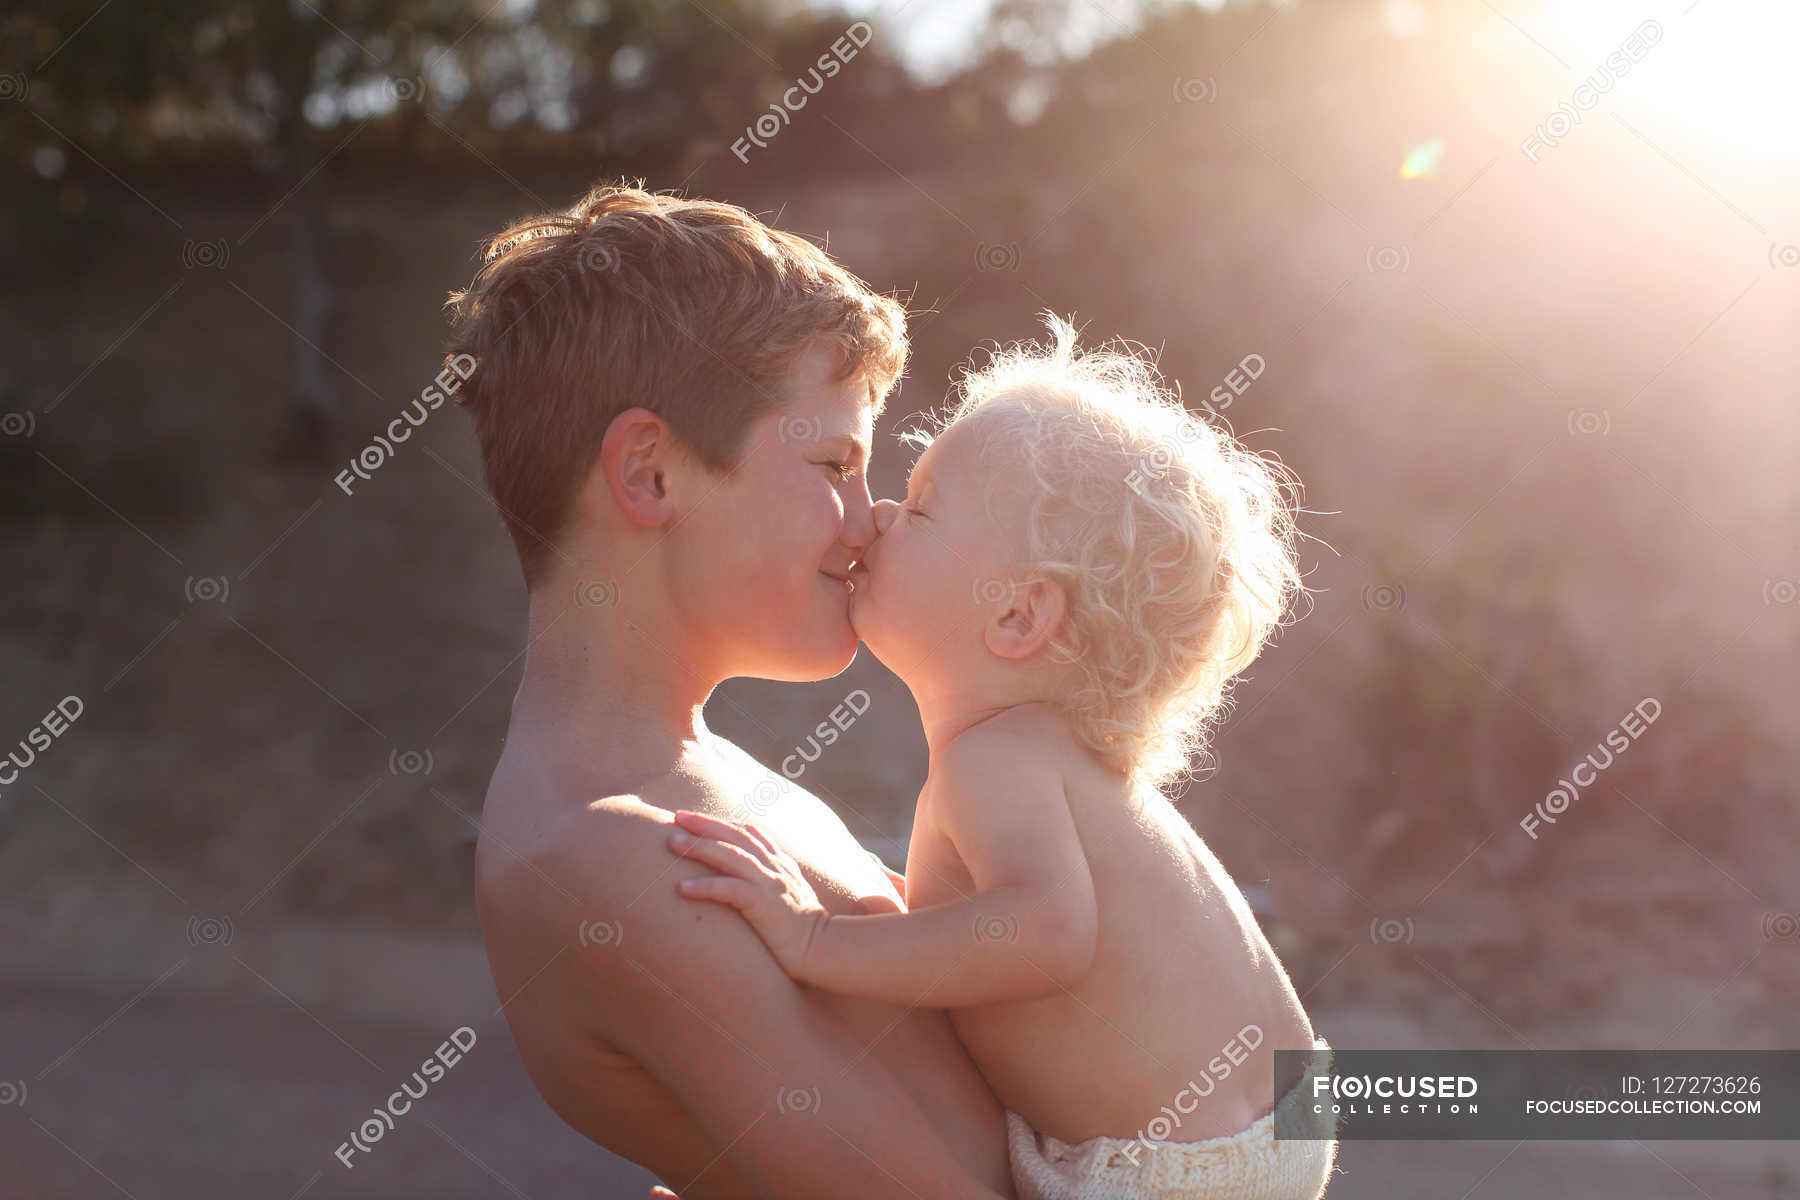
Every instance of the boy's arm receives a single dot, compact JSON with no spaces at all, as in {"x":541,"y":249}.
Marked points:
{"x":1029,"y":929}
{"x":694,"y":1000}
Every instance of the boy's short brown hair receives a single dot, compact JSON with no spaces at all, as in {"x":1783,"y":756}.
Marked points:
{"x":693,"y":309}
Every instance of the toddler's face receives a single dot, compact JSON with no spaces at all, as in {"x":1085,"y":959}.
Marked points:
{"x":939,"y":565}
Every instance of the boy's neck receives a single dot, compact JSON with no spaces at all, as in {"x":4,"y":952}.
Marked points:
{"x":608,"y":676}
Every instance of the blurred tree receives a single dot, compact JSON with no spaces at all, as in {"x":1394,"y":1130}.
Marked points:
{"x":284,"y":89}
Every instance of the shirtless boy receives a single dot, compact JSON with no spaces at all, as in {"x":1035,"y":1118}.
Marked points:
{"x":674,"y":406}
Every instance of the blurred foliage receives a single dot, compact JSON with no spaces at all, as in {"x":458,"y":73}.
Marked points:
{"x":168,"y":82}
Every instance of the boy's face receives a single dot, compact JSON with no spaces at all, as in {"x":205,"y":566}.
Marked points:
{"x":765,"y":580}
{"x":939,"y":565}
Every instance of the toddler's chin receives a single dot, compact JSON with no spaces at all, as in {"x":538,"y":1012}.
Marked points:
{"x":868,"y":630}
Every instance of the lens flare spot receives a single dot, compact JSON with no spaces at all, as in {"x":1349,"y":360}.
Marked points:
{"x":1422,"y":160}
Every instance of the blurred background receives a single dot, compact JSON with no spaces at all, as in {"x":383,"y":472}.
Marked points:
{"x":1513,"y":286}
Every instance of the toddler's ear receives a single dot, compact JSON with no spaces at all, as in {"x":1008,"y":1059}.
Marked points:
{"x":1026,"y":619}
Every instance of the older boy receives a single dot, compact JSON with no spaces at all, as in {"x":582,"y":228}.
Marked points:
{"x":674,"y":405}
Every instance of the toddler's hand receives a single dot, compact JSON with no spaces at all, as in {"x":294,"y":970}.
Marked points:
{"x":756,"y":877}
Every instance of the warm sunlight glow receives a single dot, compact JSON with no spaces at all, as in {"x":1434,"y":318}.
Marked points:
{"x":1701,"y":72}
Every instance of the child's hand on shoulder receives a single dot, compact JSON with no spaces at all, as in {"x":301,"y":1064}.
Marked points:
{"x":755,"y":876}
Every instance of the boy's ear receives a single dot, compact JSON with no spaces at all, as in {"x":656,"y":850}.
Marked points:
{"x":1032,"y":612}
{"x":635,"y":458}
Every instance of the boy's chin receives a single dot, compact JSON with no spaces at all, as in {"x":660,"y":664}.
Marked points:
{"x":830,"y":653}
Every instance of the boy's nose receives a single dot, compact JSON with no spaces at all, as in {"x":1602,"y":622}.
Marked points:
{"x":885,"y":512}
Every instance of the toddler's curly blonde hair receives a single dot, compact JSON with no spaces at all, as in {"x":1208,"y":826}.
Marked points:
{"x":1173,"y":542}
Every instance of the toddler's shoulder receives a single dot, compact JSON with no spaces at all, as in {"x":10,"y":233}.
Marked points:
{"x":1019,"y":754}
{"x":1026,"y":734}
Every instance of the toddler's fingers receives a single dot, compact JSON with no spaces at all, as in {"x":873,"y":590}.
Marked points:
{"x":714,"y":827}
{"x":756,"y":834}
{"x":719,"y":889}
{"x":720,"y":856}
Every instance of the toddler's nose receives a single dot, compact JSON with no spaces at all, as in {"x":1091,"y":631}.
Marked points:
{"x":885,"y":512}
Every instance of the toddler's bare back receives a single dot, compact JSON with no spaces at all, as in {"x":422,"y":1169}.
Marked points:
{"x":1184,"y":997}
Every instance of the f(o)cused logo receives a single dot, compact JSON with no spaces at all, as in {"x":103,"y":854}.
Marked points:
{"x":1388,"y":258}
{"x":797,"y":1100}
{"x":599,"y":257}
{"x":1384,"y":597}
{"x":1783,"y":256}
{"x":374,"y":1128}
{"x":406,"y":89}
{"x":18,"y":424}
{"x":765,"y":795}
{"x":1196,"y":91}
{"x":12,"y":1092}
{"x":209,"y":931}
{"x":1584,"y":421}
{"x":1391,"y":931}
{"x":1780,"y":591}
{"x":997,"y":929}
{"x":207,"y":589}
{"x":597,"y":593}
{"x":1781,"y":927}
{"x":601,"y":933}
{"x":997,"y":256}
{"x":410,"y":762}
{"x":992,"y":591}
{"x":205,"y":256}
{"x":799,"y":429}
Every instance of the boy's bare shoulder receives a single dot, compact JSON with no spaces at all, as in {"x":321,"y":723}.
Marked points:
{"x":544,"y":849}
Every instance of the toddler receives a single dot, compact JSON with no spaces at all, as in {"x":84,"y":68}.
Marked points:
{"x":1079,"y":570}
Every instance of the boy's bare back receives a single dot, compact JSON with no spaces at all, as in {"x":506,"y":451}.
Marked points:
{"x":1182,"y":983}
